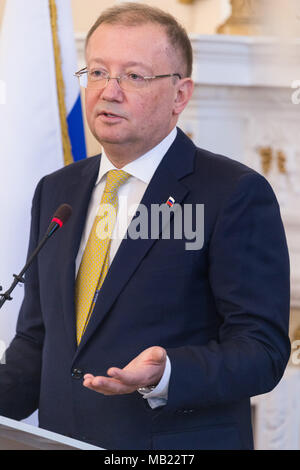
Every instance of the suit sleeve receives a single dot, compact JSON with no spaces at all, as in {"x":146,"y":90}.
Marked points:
{"x":249,"y":278}
{"x":20,"y":374}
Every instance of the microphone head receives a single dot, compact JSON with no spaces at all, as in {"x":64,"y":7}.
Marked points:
{"x":62,"y":214}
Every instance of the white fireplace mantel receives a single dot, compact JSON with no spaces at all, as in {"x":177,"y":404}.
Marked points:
{"x":245,"y":61}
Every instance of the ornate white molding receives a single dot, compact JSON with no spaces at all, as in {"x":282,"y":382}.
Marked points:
{"x":245,"y":60}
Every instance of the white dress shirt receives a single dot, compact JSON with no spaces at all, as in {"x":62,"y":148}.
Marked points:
{"x":129,"y":196}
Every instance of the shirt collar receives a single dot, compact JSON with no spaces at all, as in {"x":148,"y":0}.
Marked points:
{"x":143,"y":167}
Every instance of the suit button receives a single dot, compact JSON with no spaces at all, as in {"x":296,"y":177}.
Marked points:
{"x":77,"y":374}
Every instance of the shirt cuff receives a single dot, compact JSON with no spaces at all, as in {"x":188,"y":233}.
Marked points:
{"x":159,"y":395}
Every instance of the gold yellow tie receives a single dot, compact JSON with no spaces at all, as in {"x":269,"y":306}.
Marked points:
{"x":95,"y":261}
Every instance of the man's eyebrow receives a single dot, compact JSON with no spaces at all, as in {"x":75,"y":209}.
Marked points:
{"x":131,"y":63}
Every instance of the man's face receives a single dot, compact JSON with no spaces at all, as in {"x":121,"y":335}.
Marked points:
{"x":145,"y":116}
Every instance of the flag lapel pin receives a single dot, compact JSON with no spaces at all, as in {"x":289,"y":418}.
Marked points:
{"x":170,"y":202}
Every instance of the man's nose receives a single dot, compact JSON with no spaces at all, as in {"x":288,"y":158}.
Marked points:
{"x":112,"y":90}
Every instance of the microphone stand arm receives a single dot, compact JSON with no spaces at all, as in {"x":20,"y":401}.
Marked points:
{"x":19,"y":277}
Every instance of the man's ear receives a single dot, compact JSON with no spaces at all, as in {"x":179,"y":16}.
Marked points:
{"x":185,"y":89}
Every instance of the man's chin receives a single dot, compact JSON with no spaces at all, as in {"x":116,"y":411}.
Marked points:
{"x":114,"y":140}
{"x":109,"y":137}
{"x":110,"y":141}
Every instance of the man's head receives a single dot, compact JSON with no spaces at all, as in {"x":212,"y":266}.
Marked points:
{"x":137,"y":39}
{"x":137,"y":14}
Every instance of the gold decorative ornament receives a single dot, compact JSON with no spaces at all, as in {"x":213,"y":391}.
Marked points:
{"x":281,"y":161}
{"x":262,"y":17}
{"x":246,"y":18}
{"x":266,"y":155}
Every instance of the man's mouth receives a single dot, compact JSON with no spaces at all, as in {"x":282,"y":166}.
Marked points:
{"x":108,"y":114}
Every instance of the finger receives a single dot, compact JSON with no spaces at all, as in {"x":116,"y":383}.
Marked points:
{"x":88,"y":376}
{"x":124,"y":376}
{"x":87,"y":383}
{"x":94,"y":383}
{"x":107,"y":386}
{"x":134,"y":379}
{"x":87,"y":379}
{"x":157,"y":355}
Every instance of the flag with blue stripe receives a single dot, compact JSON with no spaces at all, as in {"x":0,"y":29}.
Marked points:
{"x":63,"y":26}
{"x":65,"y":61}
{"x":41,"y":123}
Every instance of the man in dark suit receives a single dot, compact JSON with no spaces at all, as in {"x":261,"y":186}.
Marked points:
{"x":177,"y":337}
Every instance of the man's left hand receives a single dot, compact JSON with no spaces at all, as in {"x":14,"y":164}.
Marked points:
{"x":143,"y":371}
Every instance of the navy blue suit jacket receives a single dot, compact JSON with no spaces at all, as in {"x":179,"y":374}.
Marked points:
{"x":221,"y":312}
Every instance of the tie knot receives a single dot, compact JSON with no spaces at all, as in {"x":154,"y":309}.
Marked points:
{"x":115,"y":179}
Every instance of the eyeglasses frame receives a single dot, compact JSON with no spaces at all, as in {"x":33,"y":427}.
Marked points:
{"x":108,"y":78}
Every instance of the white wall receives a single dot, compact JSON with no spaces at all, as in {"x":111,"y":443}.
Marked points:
{"x":202,"y":16}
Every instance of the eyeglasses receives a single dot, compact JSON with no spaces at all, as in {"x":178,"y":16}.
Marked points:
{"x":97,"y":79}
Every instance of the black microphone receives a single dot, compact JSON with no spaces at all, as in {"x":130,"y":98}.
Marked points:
{"x":59,"y":218}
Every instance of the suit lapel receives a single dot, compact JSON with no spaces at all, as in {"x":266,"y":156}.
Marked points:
{"x":177,"y":163}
